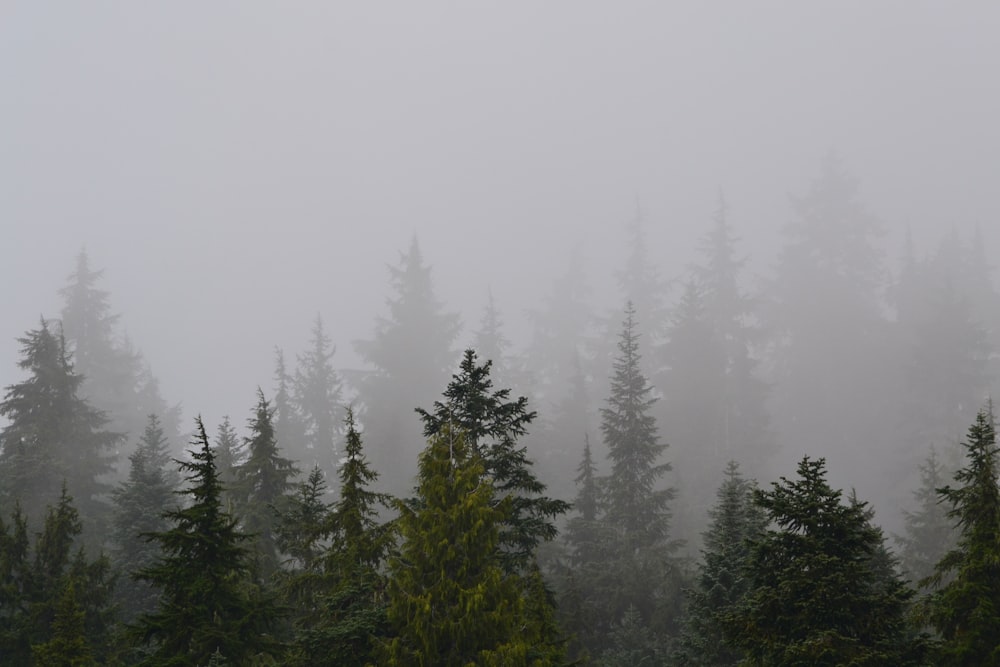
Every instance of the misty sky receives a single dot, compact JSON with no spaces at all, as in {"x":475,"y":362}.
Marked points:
{"x":237,"y":167}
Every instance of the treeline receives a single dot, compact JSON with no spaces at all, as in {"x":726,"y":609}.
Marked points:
{"x":331,"y":533}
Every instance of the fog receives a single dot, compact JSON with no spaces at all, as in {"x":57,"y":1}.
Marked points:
{"x":237,"y":168}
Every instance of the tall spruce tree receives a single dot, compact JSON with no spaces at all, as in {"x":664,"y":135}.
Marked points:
{"x":450,"y":604}
{"x":964,"y":610}
{"x":639,"y":571}
{"x":316,"y":397}
{"x":820,"y":591}
{"x":207,"y":604}
{"x":492,"y":424}
{"x":229,"y":454}
{"x":289,"y":426}
{"x":410,"y":355}
{"x":53,"y":435}
{"x":720,"y":582}
{"x":353,"y":604}
{"x":261,"y":487}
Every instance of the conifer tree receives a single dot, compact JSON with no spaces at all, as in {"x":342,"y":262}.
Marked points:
{"x":353,"y":608}
{"x":207,"y":604}
{"x":262,"y":483}
{"x":964,"y":610}
{"x":68,"y":646}
{"x":638,"y":571}
{"x":820,"y":593}
{"x":410,"y":354}
{"x":229,"y":456}
{"x":53,"y":436}
{"x":491,"y":424}
{"x":116,"y":380}
{"x":289,"y":428}
{"x":15,"y":576}
{"x":139,"y":504}
{"x":450,"y":604}
{"x":929,"y":532}
{"x":720,"y":583}
{"x":316,"y":396}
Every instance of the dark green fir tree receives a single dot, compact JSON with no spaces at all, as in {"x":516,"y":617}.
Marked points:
{"x":820,"y":591}
{"x":964,"y":610}
{"x":208,"y":604}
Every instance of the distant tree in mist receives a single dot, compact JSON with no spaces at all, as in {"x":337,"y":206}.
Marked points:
{"x":830,"y":345}
{"x":928,"y":531}
{"x":289,"y":424}
{"x":116,"y":379}
{"x":54,"y":436}
{"x":316,"y":397}
{"x":229,"y":454}
{"x":411,"y":356}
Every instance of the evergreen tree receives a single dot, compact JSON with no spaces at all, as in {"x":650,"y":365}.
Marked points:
{"x":491,"y":342}
{"x":638,"y":570}
{"x":411,"y":355}
{"x":491,"y":425}
{"x":353,"y":611}
{"x":53,"y":436}
{"x":964,"y":610}
{"x":720,"y":582}
{"x":262,"y":483}
{"x":820,"y":593}
{"x":139,"y":504}
{"x":116,"y":380}
{"x":68,"y":646}
{"x":316,"y":396}
{"x":929,"y":533}
{"x":229,"y":457}
{"x":207,"y":604}
{"x":289,"y":427}
{"x":632,"y":643}
{"x":449,"y":602}
{"x":825,"y":320}
{"x":15,"y":577}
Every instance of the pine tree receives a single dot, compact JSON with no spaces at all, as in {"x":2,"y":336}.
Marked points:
{"x":638,"y":570}
{"x":316,"y":397}
{"x":15,"y":577}
{"x":449,"y":602}
{"x":53,"y":436}
{"x":820,"y":593}
{"x":69,"y":646}
{"x":964,"y":610}
{"x":632,"y":643}
{"x":720,"y":583}
{"x":411,"y":355}
{"x":229,"y":456}
{"x":262,"y":484}
{"x":139,"y":504}
{"x":353,"y":608}
{"x":207,"y":603}
{"x":492,"y":424}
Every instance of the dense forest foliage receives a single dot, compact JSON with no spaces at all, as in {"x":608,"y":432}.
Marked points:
{"x":607,"y":494}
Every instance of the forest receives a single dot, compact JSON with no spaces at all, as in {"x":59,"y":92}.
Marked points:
{"x":681,"y":481}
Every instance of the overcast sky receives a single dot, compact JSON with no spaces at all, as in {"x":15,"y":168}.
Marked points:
{"x":237,"y":167}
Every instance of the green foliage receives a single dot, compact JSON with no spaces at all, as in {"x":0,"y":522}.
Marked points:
{"x":349,"y":595}
{"x":491,"y":425}
{"x":207,"y":602}
{"x":632,"y":644}
{"x":68,"y":646}
{"x":964,"y":610}
{"x":449,"y":602}
{"x":820,"y":591}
